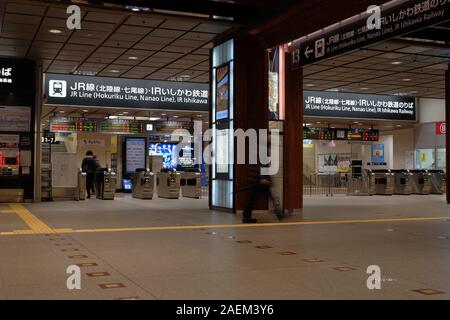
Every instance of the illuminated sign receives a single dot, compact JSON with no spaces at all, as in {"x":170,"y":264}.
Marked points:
{"x":332,"y":104}
{"x":78,"y":90}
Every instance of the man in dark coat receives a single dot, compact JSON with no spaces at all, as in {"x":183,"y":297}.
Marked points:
{"x":89,"y":165}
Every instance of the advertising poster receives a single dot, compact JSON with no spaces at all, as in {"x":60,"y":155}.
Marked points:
{"x":273,"y":95}
{"x":222,"y":92}
{"x":222,"y":155}
{"x":377,"y":153}
{"x":333,"y":163}
{"x":15,"y":119}
{"x":167,"y":151}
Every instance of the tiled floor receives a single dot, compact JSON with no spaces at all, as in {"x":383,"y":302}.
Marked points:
{"x":226,"y":263}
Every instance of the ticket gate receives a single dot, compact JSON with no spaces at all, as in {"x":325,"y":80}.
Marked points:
{"x":381,"y":182}
{"x":168,"y":184}
{"x":437,"y":178}
{"x":142,"y":184}
{"x":105,"y":184}
{"x":80,"y":190}
{"x":402,"y":182}
{"x":191,"y":184}
{"x":420,"y":180}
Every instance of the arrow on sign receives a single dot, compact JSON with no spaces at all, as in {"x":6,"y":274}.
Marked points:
{"x":308,"y":52}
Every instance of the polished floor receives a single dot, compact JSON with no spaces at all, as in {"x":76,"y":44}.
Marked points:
{"x":178,"y":249}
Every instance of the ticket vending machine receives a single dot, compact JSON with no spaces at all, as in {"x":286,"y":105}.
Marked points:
{"x":168,"y":184}
{"x":142,"y":185}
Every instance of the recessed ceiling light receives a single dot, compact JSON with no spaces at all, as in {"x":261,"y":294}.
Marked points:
{"x":396,"y":62}
{"x":163,"y":114}
{"x":310,"y":85}
{"x":364,"y":88}
{"x":125,"y":112}
{"x":55,"y":31}
{"x":114,"y":71}
{"x":133,"y":58}
{"x":85,"y":111}
{"x":176,"y":116}
{"x":407,"y":79}
{"x":413,"y":92}
{"x":62,"y":111}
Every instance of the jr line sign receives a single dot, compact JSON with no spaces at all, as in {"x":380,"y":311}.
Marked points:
{"x":392,"y":19}
{"x":125,"y":93}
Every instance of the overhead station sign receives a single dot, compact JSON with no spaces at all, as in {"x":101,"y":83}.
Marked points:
{"x":395,"y":18}
{"x":125,"y":93}
{"x":358,"y":106}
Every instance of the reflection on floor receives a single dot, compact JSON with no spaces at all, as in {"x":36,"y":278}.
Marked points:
{"x":311,"y":261}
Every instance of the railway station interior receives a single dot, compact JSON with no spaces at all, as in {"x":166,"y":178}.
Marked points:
{"x":155,"y":93}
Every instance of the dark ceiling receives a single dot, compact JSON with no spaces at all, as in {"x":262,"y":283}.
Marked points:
{"x":243,"y":11}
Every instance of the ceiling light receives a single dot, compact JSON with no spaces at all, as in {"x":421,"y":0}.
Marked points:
{"x":176,"y":116}
{"x":62,"y":111}
{"x":407,"y":79}
{"x":113,"y":117}
{"x":413,"y":92}
{"x":133,"y":58}
{"x":55,"y":31}
{"x":163,"y":114}
{"x":364,"y":88}
{"x":125,"y":112}
{"x":310,"y":85}
{"x":85,"y":111}
{"x":114,"y":71}
{"x":396,"y":62}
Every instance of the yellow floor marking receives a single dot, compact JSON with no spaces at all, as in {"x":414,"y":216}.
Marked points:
{"x":7,"y":211}
{"x":229,"y":226}
{"x":36,"y":225}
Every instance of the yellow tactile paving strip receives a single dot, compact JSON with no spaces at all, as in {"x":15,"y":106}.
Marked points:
{"x":36,"y":225}
{"x":39,"y":227}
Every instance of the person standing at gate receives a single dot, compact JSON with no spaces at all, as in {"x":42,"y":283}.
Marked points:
{"x":89,"y":165}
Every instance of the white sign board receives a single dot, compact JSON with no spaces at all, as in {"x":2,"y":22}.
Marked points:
{"x":64,"y":170}
{"x":136,"y":153}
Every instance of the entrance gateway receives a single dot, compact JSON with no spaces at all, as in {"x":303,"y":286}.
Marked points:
{"x":358,"y":108}
{"x":132,"y":146}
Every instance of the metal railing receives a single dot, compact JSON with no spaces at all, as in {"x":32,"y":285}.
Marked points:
{"x":325,"y":184}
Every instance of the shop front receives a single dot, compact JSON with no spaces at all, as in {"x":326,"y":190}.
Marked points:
{"x":17,"y":130}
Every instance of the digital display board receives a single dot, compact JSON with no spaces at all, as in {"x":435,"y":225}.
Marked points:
{"x":167,"y":151}
{"x":121,"y":127}
{"x":135,"y":154}
{"x":327,"y":134}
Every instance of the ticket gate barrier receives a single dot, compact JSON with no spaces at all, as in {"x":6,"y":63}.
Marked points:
{"x":381,"y":182}
{"x":421,"y":183}
{"x":80,"y":190}
{"x":105,"y":184}
{"x":402,"y":182}
{"x":191,"y":184}
{"x":437,"y":178}
{"x":168,"y":184}
{"x":142,"y":184}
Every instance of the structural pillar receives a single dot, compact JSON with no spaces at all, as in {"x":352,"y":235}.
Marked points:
{"x":293,"y":138}
{"x":447,"y":136}
{"x":251,"y":106}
